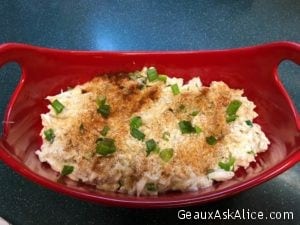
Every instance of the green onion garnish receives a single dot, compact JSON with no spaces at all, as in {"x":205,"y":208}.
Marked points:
{"x":151,"y":187}
{"x":152,"y":74}
{"x":231,"y":110}
{"x":233,"y":107}
{"x":104,"y":131}
{"x":166,"y":136}
{"x":249,"y":123}
{"x":57,"y":106}
{"x":151,"y":146}
{"x":166,"y":154}
{"x":136,"y":122}
{"x":105,"y":146}
{"x":194,"y":113}
{"x":67,"y":170}
{"x":103,"y":108}
{"x":198,"y":129}
{"x":136,"y":133}
{"x":186,"y":127}
{"x":211,"y":140}
{"x":227,"y":166}
{"x":231,"y":118}
{"x":162,"y":78}
{"x":49,"y":135}
{"x":175,"y":89}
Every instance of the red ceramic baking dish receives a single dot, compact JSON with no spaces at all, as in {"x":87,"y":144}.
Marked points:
{"x":48,"y":71}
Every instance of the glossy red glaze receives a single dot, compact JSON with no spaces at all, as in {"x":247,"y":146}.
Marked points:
{"x":254,"y":69}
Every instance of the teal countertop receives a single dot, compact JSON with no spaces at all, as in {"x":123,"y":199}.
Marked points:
{"x":145,"y":25}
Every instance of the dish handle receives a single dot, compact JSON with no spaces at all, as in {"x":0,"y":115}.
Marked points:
{"x":278,"y":52}
{"x":287,"y":51}
{"x":15,"y":52}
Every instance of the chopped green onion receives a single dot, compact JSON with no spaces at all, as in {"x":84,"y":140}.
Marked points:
{"x":137,"y":134}
{"x":104,"y":131}
{"x":231,"y":118}
{"x":67,"y":170}
{"x":105,"y":146}
{"x":151,"y":187}
{"x":198,"y":129}
{"x":151,"y":146}
{"x":162,"y":78}
{"x":231,"y":110}
{"x":249,"y":123}
{"x":175,"y":89}
{"x":166,"y":136}
{"x":136,"y":122}
{"x":49,"y":135}
{"x":233,"y":107}
{"x":166,"y":154}
{"x":194,"y":113}
{"x":186,"y":127}
{"x":103,"y":108}
{"x":227,"y":166}
{"x":57,"y":106}
{"x":211,"y":140}
{"x":152,"y":74}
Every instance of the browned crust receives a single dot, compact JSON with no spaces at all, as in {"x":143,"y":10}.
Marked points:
{"x":126,"y":97}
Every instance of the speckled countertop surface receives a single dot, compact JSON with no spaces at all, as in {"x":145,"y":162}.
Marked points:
{"x":144,"y":25}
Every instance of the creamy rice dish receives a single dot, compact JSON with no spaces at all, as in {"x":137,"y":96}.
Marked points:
{"x":145,"y":133}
